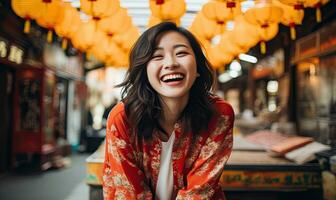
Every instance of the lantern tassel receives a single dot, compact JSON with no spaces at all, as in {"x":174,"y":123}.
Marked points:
{"x":221,"y":70}
{"x":318,"y":15}
{"x":49,"y":36}
{"x":263,"y":47}
{"x":64,"y":44}
{"x":292,"y":32}
{"x":26,"y":28}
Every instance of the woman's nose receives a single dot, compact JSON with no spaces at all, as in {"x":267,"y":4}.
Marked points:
{"x":170,"y":62}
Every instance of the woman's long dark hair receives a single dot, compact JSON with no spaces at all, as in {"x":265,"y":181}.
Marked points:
{"x":142,"y":104}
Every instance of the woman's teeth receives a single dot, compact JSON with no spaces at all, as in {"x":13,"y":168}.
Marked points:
{"x":172,"y":77}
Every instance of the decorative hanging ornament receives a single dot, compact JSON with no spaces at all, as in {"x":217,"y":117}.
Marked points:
{"x":50,"y":15}
{"x":68,"y":25}
{"x":99,"y":8}
{"x":264,"y":14}
{"x":219,"y":12}
{"x":118,"y":23}
{"x":239,"y":36}
{"x":212,"y":27}
{"x":167,"y":10}
{"x":154,"y":21}
{"x":28,"y":10}
{"x":291,"y":17}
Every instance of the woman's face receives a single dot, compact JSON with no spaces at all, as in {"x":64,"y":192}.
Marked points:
{"x":172,"y":69}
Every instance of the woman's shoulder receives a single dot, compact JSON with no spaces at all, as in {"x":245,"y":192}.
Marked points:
{"x":222,"y":106}
{"x":117,"y":114}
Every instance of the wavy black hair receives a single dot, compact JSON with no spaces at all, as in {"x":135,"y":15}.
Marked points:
{"x":142,"y":104}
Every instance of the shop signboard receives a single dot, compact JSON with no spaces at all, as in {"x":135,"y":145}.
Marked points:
{"x":270,"y":179}
{"x":10,"y":52}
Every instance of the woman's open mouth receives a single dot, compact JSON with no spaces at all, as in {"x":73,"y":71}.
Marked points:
{"x":172,"y":78}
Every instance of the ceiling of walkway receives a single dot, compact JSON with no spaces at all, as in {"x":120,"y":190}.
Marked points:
{"x":140,"y":12}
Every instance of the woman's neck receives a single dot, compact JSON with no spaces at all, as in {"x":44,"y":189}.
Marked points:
{"x":172,"y":109}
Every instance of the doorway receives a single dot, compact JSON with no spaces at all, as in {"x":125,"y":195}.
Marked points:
{"x":6,"y":113}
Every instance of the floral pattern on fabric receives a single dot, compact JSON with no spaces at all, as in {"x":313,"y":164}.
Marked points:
{"x":132,"y":165}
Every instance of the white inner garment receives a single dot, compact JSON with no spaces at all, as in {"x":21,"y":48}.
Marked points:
{"x":164,"y":187}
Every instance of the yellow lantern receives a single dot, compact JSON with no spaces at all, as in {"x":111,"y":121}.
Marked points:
{"x":117,"y":23}
{"x":167,"y":9}
{"x":267,"y":34}
{"x":26,"y":9}
{"x":99,"y":8}
{"x":85,"y":41}
{"x":121,"y":60}
{"x":300,"y":4}
{"x":239,"y":36}
{"x":98,"y":48}
{"x":154,"y":21}
{"x":263,"y":15}
{"x":212,"y":28}
{"x":68,"y":25}
{"x":219,"y":12}
{"x":51,"y":14}
{"x":127,"y":39}
{"x":291,"y":17}
{"x":230,"y":3}
{"x":227,"y":45}
{"x":217,"y":57}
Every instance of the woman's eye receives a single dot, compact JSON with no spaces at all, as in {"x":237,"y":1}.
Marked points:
{"x":182,"y":53}
{"x":156,"y":57}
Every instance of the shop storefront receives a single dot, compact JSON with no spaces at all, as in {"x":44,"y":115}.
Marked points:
{"x":44,"y":97}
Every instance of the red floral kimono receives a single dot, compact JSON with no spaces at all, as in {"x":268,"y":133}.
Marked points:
{"x":132,"y":165}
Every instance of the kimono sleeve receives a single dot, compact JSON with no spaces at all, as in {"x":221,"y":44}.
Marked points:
{"x":122,"y":178}
{"x":203,"y":178}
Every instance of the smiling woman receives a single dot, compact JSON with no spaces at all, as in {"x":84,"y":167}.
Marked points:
{"x":170,"y":137}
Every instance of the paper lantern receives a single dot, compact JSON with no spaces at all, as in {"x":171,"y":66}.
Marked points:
{"x":167,"y":9}
{"x":206,"y":28}
{"x":68,"y":25}
{"x":26,"y":9}
{"x":154,"y":21}
{"x":230,"y":3}
{"x":85,"y":41}
{"x":217,"y":57}
{"x":117,"y":23}
{"x":291,"y":17}
{"x":263,"y":15}
{"x":99,"y":8}
{"x":127,"y":39}
{"x":227,"y":45}
{"x":239,"y":36}
{"x":301,"y":4}
{"x":267,"y":34}
{"x":51,"y":14}
{"x":219,"y":12}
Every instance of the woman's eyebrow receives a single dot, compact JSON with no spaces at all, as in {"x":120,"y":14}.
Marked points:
{"x":175,"y":46}
{"x":180,"y":45}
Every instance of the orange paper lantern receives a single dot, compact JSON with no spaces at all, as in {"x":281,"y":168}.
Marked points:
{"x":51,"y":14}
{"x":99,"y":8}
{"x":291,"y":17}
{"x":219,"y":12}
{"x":167,"y":9}
{"x":68,"y":25}
{"x":264,"y":14}
{"x":26,"y":9}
